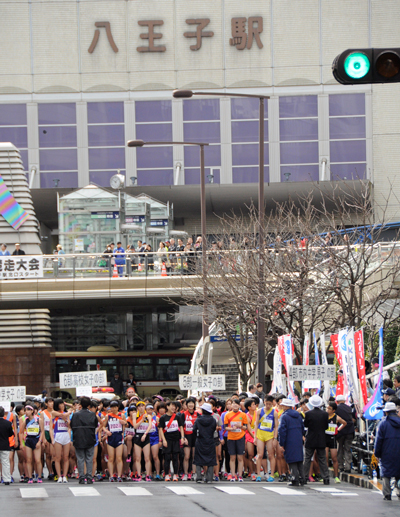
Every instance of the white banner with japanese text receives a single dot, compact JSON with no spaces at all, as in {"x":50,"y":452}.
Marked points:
{"x":13,"y":393}
{"x":21,"y":266}
{"x":313,"y":372}
{"x":202,"y":382}
{"x":78,"y":379}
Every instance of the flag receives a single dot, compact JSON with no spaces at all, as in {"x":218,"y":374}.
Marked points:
{"x":277,"y":384}
{"x":281,"y":348}
{"x":335,"y":344}
{"x":288,"y":348}
{"x":359,"y":347}
{"x":306,"y":356}
{"x":372,"y":410}
{"x":327,"y":384}
{"x":345,"y":362}
{"x":12,"y":212}
{"x":316,"y":354}
{"x":351,"y":352}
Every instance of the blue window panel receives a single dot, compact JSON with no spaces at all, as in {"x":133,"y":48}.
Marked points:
{"x":347,"y":127}
{"x":207,"y":132}
{"x":346,"y":104}
{"x":201,"y":109}
{"x":212,"y":156}
{"x":293,"y":130}
{"x":154,"y":132}
{"x":67,"y":179}
{"x":13,"y":115}
{"x":300,"y":173}
{"x":348,"y":171}
{"x":112,"y":159}
{"x":105,"y":112}
{"x":16,"y":135}
{"x":57,"y":136}
{"x":248,"y":175}
{"x":299,"y":152}
{"x":248,"y":131}
{"x":192,"y":176}
{"x":155,"y":177}
{"x":153,"y":111}
{"x":24,"y":158}
{"x":348,"y":151}
{"x":106,"y":135}
{"x":298,"y":106}
{"x":58,"y":159}
{"x":154,"y":157}
{"x":102,"y":178}
{"x":247,"y":154}
{"x":242,"y":108}
{"x":57,"y":113}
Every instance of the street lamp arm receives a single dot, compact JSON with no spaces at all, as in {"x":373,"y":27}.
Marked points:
{"x":186,"y":94}
{"x":141,"y":143}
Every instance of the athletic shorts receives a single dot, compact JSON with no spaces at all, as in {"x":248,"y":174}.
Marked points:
{"x":331,"y":442}
{"x":249,"y":438}
{"x":137,"y":440}
{"x":154,"y":439}
{"x":62,"y":438}
{"x":31,"y":441}
{"x":191,"y":440}
{"x":47,"y":436}
{"x":115,"y":440}
{"x":264,"y":436}
{"x":216,"y":441}
{"x":237,"y":447}
{"x":173,"y":447}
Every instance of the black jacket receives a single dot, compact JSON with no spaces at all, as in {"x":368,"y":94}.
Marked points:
{"x":6,"y":431}
{"x":84,"y":425}
{"x":345,"y":412}
{"x":203,"y":430}
{"x":316,"y":421}
{"x":118,"y":386}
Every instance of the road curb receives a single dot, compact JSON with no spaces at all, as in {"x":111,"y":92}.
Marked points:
{"x":358,"y":480}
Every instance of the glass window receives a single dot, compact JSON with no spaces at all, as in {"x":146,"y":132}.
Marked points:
{"x":348,"y":171}
{"x":16,"y":135}
{"x":154,"y":157}
{"x":298,"y":129}
{"x":155,"y":177}
{"x":207,"y":132}
{"x":107,"y":136}
{"x":57,"y":136}
{"x":299,"y":152}
{"x":242,"y":108}
{"x":63,"y":179}
{"x":13,"y":115}
{"x":247,"y":131}
{"x":105,"y":112}
{"x":248,"y":174}
{"x":154,"y":132}
{"x":347,"y":127}
{"x":13,"y":128}
{"x":58,"y":159}
{"x":346,"y":104}
{"x":192,"y":176}
{"x":300,"y":173}
{"x":212,"y":156}
{"x":200,"y":109}
{"x":57,"y":113}
{"x":153,"y":111}
{"x":298,"y":106}
{"x":111,"y":158}
{"x":247,"y":154}
{"x":348,"y":151}
{"x":167,"y":372}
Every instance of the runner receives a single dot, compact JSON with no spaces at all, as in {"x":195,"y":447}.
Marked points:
{"x":32,"y":445}
{"x":130,"y":433}
{"x":236,"y":425}
{"x":45,"y":421}
{"x":142,"y":425}
{"x":251,"y":408}
{"x":266,"y":425}
{"x":20,"y":414}
{"x":11,"y":417}
{"x":189,"y":416}
{"x":172,"y":435}
{"x":61,"y":439}
{"x":280,"y":458}
{"x":154,"y":440}
{"x":114,"y":425}
{"x":331,"y":432}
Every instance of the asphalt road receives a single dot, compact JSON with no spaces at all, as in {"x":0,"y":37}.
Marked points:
{"x":192,"y":499}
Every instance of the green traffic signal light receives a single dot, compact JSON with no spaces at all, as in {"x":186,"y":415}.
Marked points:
{"x":357,"y":65}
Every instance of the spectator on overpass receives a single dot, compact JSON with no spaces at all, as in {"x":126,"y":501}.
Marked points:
{"x":117,"y":384}
{"x":4,"y":251}
{"x":18,"y":250}
{"x":119,"y":254}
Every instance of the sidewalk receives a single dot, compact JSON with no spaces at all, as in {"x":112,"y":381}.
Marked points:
{"x":360,"y":480}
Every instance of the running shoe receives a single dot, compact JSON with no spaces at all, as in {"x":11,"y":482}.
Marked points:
{"x":55,"y":477}
{"x":282,"y":479}
{"x":258,"y":479}
{"x":240,"y":479}
{"x":59,"y":480}
{"x":64,"y":480}
{"x":50,"y":477}
{"x":167,"y":478}
{"x":30,"y":482}
{"x":39,"y":480}
{"x":253,"y":477}
{"x":158,"y":477}
{"x":90,"y":481}
{"x":276,"y":474}
{"x":111,"y":480}
{"x":148,"y":478}
{"x":119,"y":480}
{"x":337,"y":480}
{"x":245,"y":474}
{"x":129,"y":459}
{"x":99,"y":477}
{"x":12,"y":479}
{"x":175,"y":478}
{"x":234,"y":478}
{"x":216,"y":478}
{"x":184,"y":477}
{"x":229,"y":478}
{"x":189,"y":477}
{"x":311,"y":479}
{"x":270,"y":479}
{"x":22,"y":479}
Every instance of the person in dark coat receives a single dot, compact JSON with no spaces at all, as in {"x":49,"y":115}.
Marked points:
{"x":316,"y":422}
{"x":290,"y":437}
{"x":6,"y":432}
{"x":204,"y":452}
{"x":387,"y":449}
{"x":118,"y":384}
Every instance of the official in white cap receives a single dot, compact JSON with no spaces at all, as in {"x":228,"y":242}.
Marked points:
{"x":387,"y":449}
{"x":316,"y":422}
{"x":290,"y":437}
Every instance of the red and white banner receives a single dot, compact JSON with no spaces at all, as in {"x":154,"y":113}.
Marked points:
{"x":306,"y":351}
{"x":281,"y":348}
{"x":285,"y":347}
{"x":359,"y":346}
{"x":335,"y":344}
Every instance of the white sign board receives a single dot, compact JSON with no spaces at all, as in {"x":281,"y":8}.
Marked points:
{"x":21,"y":266}
{"x":78,"y":379}
{"x":13,"y":393}
{"x":79,"y":245}
{"x":84,"y":391}
{"x":312,"y":373}
{"x":202,"y":382}
{"x":6,"y":404}
{"x":309,"y":385}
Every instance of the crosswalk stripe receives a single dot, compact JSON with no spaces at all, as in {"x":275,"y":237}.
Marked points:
{"x":234,"y":490}
{"x":282,"y":490}
{"x":84,"y":491}
{"x":327,"y":490}
{"x":184,"y":490}
{"x":345,"y":494}
{"x":134,"y":491}
{"x":33,"y":492}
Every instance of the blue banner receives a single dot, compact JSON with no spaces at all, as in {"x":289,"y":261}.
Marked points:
{"x":372,"y":410}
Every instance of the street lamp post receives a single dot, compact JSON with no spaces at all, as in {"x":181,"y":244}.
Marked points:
{"x":186,"y":94}
{"x":141,"y":143}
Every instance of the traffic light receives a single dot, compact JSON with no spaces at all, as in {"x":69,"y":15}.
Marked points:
{"x":367,"y":65}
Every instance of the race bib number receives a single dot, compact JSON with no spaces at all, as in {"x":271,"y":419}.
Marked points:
{"x":142,"y":428}
{"x":236,"y":427}
{"x":115,"y":427}
{"x":46,"y":425}
{"x":266,"y":425}
{"x":62,"y":425}
{"x":33,"y":430}
{"x":129,"y":431}
{"x":189,"y":426}
{"x":331,"y":429}
{"x":173,"y":427}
